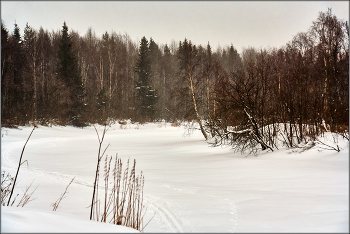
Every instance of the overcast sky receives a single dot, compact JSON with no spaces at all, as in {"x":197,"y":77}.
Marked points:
{"x":242,"y":23}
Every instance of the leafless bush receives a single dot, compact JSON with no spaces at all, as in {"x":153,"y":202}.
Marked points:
{"x":246,"y":139}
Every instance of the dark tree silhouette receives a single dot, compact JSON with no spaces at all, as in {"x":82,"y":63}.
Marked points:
{"x":69,"y":73}
{"x":146,"y":95}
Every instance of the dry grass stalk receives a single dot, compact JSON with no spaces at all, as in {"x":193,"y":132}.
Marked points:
{"x":106,"y":176}
{"x":56,"y":204}
{"x":123,"y":204}
{"x":26,"y":196}
{"x":124,"y":201}
{"x":7,"y":182}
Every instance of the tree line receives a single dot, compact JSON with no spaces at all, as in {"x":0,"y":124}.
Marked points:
{"x":300,"y":89}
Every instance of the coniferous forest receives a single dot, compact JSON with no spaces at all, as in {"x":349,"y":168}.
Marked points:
{"x":61,"y":77}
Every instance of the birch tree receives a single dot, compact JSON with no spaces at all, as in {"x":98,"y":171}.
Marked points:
{"x":188,"y":63}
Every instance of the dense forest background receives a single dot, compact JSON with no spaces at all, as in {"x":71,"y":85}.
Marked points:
{"x":61,"y":77}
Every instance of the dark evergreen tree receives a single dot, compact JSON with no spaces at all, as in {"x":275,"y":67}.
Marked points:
{"x":157,"y":78}
{"x":69,"y":73}
{"x":5,"y":81}
{"x":4,"y":46}
{"x":16,"y":34}
{"x":17,"y":60}
{"x":146,"y":96}
{"x":235,"y":61}
{"x":154,"y":51}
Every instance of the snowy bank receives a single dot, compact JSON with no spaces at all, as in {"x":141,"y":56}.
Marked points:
{"x":21,"y":219}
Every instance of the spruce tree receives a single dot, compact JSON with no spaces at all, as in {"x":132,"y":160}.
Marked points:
{"x":5,"y":89}
{"x":16,"y":34}
{"x":146,"y":96}
{"x":17,"y":68}
{"x":69,"y":73}
{"x":234,"y":59}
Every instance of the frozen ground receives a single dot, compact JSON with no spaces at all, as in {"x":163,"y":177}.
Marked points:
{"x":190,"y":186}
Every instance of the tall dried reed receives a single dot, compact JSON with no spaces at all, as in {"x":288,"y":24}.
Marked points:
{"x":124,"y":205}
{"x":123,"y":202}
{"x":123,"y":192}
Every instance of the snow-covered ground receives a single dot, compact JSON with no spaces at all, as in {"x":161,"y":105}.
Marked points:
{"x":189,"y":186}
{"x":14,"y":219}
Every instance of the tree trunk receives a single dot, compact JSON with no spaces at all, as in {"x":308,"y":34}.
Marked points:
{"x":325,"y":84}
{"x":195,"y":105}
{"x":35,"y":92}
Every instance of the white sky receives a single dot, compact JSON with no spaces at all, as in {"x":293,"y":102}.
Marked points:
{"x":242,"y":23}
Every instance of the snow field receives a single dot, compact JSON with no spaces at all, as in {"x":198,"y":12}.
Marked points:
{"x":189,"y":186}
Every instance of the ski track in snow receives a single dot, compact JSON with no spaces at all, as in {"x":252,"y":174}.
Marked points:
{"x":228,"y":202}
{"x":15,"y":145}
{"x":54,"y":176}
{"x":157,"y":205}
{"x":167,"y":217}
